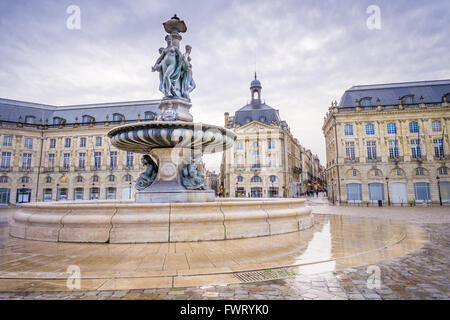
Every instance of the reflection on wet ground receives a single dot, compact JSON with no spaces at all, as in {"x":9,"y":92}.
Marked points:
{"x":334,"y":243}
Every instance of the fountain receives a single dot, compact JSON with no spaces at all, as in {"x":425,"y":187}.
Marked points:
{"x":172,"y":203}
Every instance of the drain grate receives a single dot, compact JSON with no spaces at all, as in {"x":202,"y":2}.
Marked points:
{"x":265,"y":275}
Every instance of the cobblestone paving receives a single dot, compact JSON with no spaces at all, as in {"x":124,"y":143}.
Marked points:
{"x":422,"y":274}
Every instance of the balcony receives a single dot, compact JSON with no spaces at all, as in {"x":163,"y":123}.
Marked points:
{"x":25,"y":169}
{"x":96,"y":168}
{"x":5,"y":169}
{"x":396,"y":159}
{"x":49,"y":169}
{"x":80,"y":168}
{"x":377,"y":159}
{"x":442,"y":158}
{"x":64,"y":169}
{"x":351,"y":160}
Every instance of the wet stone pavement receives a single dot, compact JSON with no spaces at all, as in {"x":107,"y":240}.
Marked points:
{"x":421,"y":274}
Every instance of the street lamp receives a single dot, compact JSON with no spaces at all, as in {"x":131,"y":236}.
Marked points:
{"x":236,"y":190}
{"x":439,"y":189}
{"x":332,"y":189}
{"x":129,"y":195}
{"x":387,"y":184}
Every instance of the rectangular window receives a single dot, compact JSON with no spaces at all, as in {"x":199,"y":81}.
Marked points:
{"x":255,"y":145}
{"x":415,"y":149}
{"x":52,"y":143}
{"x":370,"y":129}
{"x":66,"y":161}
{"x":113,"y":159}
{"x":78,"y":194}
{"x":26,"y":161}
{"x":413,"y":127}
{"x":239,"y":145}
{"x":51,"y":161}
{"x":371,"y":150}
{"x":350,"y":150}
{"x":81,"y":160}
{"x":436,"y":126}
{"x":6,"y":160}
{"x":393,"y":149}
{"x":98,"y":141}
{"x":28,"y":143}
{"x":130,"y":159}
{"x":83,"y":142}
{"x":47,"y":195}
{"x":348,"y":130}
{"x":256,"y":162}
{"x":271,"y":144}
{"x":438,"y":148}
{"x":391,"y":128}
{"x":67,"y":142}
{"x":7,"y":141}
{"x":97,"y":159}
{"x":271,"y":160}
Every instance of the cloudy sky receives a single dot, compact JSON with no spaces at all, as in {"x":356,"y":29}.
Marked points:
{"x":307,"y":53}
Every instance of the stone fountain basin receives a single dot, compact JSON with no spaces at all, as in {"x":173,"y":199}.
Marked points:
{"x":129,"y":222}
{"x":142,"y":137}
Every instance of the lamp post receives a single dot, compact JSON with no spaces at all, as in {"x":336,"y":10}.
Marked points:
{"x":387,"y":185}
{"x":129,"y":195}
{"x":332,"y":189}
{"x":57,"y":190}
{"x":236,"y":190}
{"x":439,"y":189}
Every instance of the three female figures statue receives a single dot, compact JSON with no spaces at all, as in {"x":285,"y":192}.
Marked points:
{"x":175,"y":71}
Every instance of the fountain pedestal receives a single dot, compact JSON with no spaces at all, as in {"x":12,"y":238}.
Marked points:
{"x":167,"y":186}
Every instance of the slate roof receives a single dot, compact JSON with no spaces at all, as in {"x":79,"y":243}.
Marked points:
{"x":431,"y":91}
{"x":256,"y":112}
{"x":11,"y":110}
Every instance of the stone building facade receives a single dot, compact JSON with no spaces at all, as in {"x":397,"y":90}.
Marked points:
{"x":388,"y":144}
{"x":53,"y":153}
{"x":266,"y":159}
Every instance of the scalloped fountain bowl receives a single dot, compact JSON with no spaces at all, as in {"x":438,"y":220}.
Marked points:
{"x":143,"y":137}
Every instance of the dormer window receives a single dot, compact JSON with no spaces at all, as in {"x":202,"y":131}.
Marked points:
{"x":30,"y":119}
{"x":58,"y":121}
{"x":117,"y":117}
{"x":365,"y":102}
{"x":409,"y":99}
{"x":149,"y":115}
{"x":88,"y":119}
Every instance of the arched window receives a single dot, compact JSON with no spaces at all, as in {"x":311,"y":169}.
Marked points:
{"x":256,"y":179}
{"x":420,"y":172}
{"x":247,"y":120}
{"x":95,"y":178}
{"x":4,"y":179}
{"x":262,"y":119}
{"x":63,"y":179}
{"x":443,"y":171}
{"x":397,"y":172}
{"x":240,"y":179}
{"x":353,"y":173}
{"x":128,"y":178}
{"x":375,"y":173}
{"x":79,"y":179}
{"x":365,"y":102}
{"x":25,"y":179}
{"x":111,"y":178}
{"x":48,"y":179}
